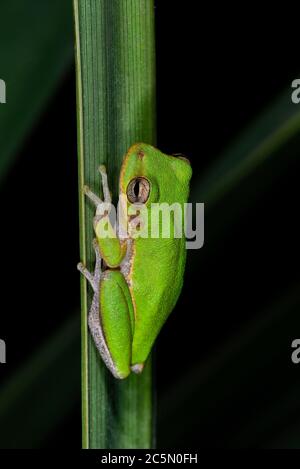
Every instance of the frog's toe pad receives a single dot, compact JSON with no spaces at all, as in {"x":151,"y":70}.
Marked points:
{"x":138,"y":368}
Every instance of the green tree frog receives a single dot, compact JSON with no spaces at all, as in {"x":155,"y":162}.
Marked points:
{"x":137,"y":279}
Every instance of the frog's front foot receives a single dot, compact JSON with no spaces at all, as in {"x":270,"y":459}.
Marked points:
{"x":105,"y":188}
{"x":106,"y":192}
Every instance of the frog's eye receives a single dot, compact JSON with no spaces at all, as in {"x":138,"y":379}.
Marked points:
{"x":138,"y":190}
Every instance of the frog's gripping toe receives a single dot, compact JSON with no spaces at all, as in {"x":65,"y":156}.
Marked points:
{"x":138,"y":368}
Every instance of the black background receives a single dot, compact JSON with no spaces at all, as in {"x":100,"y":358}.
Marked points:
{"x":216,"y":70}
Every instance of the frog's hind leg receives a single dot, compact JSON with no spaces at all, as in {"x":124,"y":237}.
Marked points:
{"x":112,"y":326}
{"x":94,"y":313}
{"x":117,"y":319}
{"x":98,"y":336}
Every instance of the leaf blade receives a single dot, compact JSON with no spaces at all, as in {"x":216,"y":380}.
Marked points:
{"x":116,"y":93}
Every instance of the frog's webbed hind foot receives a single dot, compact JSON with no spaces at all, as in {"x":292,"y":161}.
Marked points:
{"x":138,"y":368}
{"x":87,"y":274}
{"x":93,"y":279}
